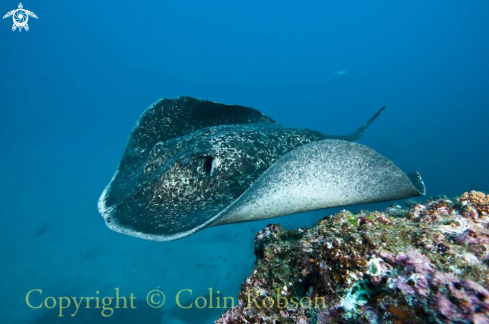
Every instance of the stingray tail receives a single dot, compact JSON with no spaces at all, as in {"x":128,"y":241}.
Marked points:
{"x":355,"y":136}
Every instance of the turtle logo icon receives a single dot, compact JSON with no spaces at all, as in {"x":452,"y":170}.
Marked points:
{"x":20,"y":17}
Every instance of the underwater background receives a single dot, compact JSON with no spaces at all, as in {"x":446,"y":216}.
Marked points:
{"x":73,"y":86}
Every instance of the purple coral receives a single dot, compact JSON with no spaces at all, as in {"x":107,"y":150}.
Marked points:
{"x":425,"y":264}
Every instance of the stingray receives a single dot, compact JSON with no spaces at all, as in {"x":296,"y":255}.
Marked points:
{"x":190,"y":164}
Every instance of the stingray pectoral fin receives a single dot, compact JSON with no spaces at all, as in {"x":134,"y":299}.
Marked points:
{"x":418,"y":183}
{"x":323,"y":174}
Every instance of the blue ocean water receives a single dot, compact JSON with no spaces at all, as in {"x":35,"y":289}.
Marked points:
{"x":73,"y":86}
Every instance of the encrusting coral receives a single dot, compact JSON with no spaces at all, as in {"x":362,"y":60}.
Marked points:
{"x":427,"y":263}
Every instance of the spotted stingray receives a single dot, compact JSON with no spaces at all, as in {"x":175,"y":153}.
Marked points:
{"x":192,"y":164}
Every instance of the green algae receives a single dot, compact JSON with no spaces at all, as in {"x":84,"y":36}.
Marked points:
{"x":422,"y":263}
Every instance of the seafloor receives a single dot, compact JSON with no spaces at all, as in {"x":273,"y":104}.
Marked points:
{"x":427,"y":263}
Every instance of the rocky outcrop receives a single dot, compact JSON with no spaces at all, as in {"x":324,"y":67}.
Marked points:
{"x":424,"y":263}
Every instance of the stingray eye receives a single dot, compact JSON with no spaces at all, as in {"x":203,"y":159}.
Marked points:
{"x":208,"y":165}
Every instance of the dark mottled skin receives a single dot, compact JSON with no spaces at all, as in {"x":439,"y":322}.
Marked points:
{"x":174,"y":185}
{"x":187,"y":160}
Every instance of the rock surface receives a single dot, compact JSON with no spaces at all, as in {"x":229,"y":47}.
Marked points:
{"x":427,"y":263}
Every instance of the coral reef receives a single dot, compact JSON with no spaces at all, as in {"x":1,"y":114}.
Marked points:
{"x":426,"y":263}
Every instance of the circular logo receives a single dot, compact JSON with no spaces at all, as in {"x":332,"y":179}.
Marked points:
{"x":20,"y":18}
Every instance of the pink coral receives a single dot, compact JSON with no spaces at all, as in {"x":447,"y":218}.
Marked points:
{"x":413,"y":267}
{"x":415,"y":262}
